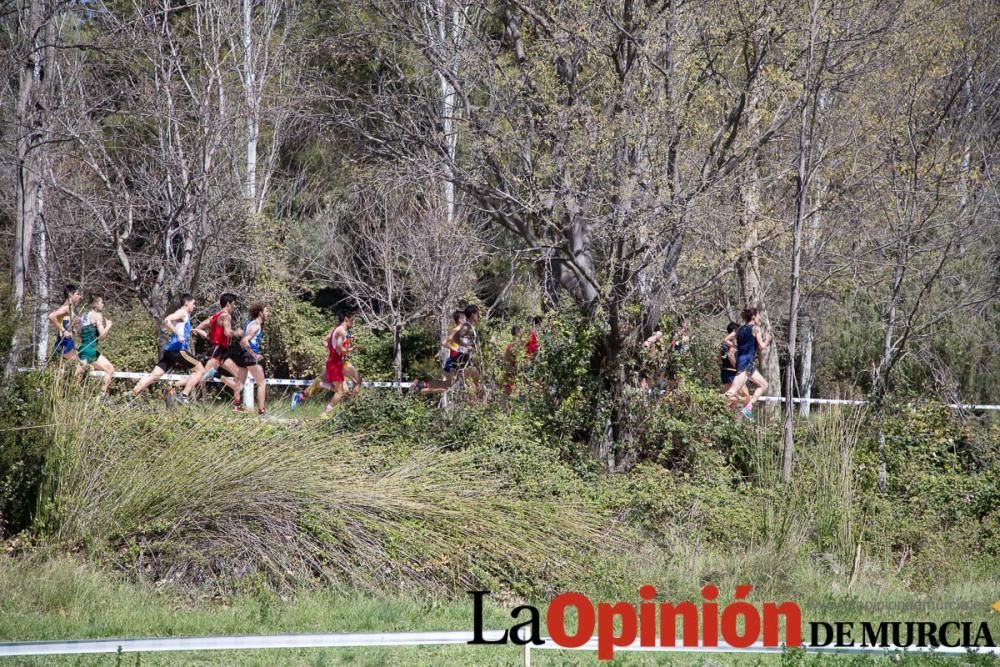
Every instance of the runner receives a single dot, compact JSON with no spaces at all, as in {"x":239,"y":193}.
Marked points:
{"x":510,"y":359}
{"x":220,"y":334}
{"x":454,"y":354}
{"x":338,"y":369}
{"x":249,"y":356}
{"x":531,"y":348}
{"x":469,"y":341}
{"x":93,"y":328}
{"x":176,"y":353}
{"x":748,"y":339}
{"x":64,"y":319}
{"x":727,"y":362}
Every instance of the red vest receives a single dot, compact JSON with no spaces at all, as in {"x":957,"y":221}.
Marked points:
{"x":216,"y":332}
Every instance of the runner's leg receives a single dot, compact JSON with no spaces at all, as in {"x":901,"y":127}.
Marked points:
{"x":761,"y":383}
{"x":258,"y":377}
{"x":142,"y":384}
{"x":193,"y":379}
{"x":102,"y":364}
{"x":338,"y":396}
{"x":351,"y":373}
{"x":739,"y":382}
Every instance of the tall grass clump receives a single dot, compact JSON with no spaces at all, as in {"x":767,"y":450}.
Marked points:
{"x":202,"y":497}
{"x":816,"y":513}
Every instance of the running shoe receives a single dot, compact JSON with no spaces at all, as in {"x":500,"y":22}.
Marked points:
{"x":262,"y":414}
{"x":183,"y":399}
{"x":747,"y":412}
{"x":237,"y":407}
{"x":297,"y":399}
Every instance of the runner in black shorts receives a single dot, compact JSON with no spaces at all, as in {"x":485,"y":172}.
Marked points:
{"x":220,"y":333}
{"x":175,"y":352}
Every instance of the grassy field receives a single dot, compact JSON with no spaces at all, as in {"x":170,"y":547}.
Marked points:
{"x":63,"y":598}
{"x":206,"y":523}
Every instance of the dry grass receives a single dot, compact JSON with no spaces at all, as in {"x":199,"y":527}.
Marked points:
{"x":201,"y":497}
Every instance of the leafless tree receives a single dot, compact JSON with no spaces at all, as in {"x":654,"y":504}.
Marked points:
{"x":398,"y":256}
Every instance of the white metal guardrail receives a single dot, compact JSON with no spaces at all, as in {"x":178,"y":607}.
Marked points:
{"x":392,"y":639}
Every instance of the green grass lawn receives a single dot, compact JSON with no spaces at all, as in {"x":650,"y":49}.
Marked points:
{"x":66,"y":599}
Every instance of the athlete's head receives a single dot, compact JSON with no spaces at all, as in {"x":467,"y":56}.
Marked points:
{"x":472,"y":313}
{"x":71,"y":293}
{"x":346,"y":318}
{"x":187,"y":303}
{"x":258,"y":310}
{"x":97,"y":302}
{"x":458,"y":317}
{"x":731,"y":327}
{"x":749,"y":315}
{"x":536,"y":321}
{"x":228,"y":301}
{"x":516,"y":331}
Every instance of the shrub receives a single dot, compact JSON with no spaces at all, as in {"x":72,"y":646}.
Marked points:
{"x":132,"y":343}
{"x":23,"y":447}
{"x":294,"y":338}
{"x":205,"y":499}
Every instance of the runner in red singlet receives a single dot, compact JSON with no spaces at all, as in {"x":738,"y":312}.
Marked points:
{"x":220,"y":334}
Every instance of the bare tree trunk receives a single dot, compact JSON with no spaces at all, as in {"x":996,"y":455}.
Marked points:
{"x":806,"y":370}
{"x":253,"y":107}
{"x":748,"y":273}
{"x":28,"y":182}
{"x":397,"y":352}
{"x":807,"y":123}
{"x":880,"y":386}
{"x":42,"y":290}
{"x":445,"y":29}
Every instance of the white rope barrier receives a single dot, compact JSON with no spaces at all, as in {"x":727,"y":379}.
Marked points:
{"x":372,"y":384}
{"x":174,"y":377}
{"x":842,"y":401}
{"x":399,"y":639}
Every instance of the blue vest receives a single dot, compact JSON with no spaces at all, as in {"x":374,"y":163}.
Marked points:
{"x":175,"y":344}
{"x":255,"y":341}
{"x":746,"y":343}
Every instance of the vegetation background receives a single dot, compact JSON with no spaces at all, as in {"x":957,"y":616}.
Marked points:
{"x":615,"y":168}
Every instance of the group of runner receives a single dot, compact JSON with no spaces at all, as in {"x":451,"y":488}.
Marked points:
{"x":233,"y":349}
{"x":237,"y":351}
{"x":737,"y":361}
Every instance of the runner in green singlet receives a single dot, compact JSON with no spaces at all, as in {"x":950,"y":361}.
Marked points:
{"x":94,"y":327}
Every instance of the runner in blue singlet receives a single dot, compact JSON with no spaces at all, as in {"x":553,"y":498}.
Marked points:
{"x":249,"y":357}
{"x":748,"y":339}
{"x":64,"y":319}
{"x":176,"y":352}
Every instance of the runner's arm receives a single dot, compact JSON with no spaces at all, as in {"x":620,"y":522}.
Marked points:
{"x":202,"y":328}
{"x":227,"y":326}
{"x":171,"y":320}
{"x":55,"y":317}
{"x":730,"y":346}
{"x":103,"y":326}
{"x":245,"y":341}
{"x":338,"y":344}
{"x":763,"y":339}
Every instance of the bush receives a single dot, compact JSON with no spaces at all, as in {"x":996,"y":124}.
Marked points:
{"x":132,"y":344}
{"x":23,"y":447}
{"x":941,"y":493}
{"x":203,"y":499}
{"x":294,"y":338}
{"x":372,"y":354}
